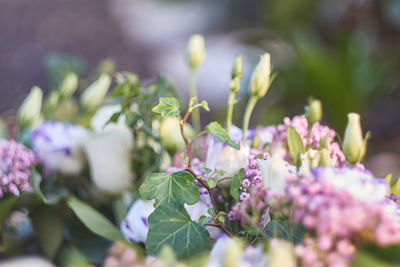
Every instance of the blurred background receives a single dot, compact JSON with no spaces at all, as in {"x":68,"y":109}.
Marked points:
{"x":344,"y":52}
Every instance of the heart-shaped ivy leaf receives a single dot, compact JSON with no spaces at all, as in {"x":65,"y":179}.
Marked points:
{"x":166,"y":188}
{"x":221,"y":134}
{"x":167,"y":107}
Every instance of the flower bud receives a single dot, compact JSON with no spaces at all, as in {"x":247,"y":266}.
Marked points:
{"x":313,"y":111}
{"x":196,"y":52}
{"x":29,"y":112}
{"x":237,"y":69}
{"x":260,"y":79}
{"x":170,"y":134}
{"x":92,"y":97}
{"x":235,"y":85}
{"x":68,"y":86}
{"x":354,"y":146}
{"x":50,"y":104}
{"x":325,"y":158}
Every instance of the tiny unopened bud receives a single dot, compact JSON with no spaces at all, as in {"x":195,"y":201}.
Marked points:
{"x":68,"y":86}
{"x":51,"y":102}
{"x":30,"y":111}
{"x":92,"y":97}
{"x":260,"y":79}
{"x":196,"y":51}
{"x":237,"y":69}
{"x":354,"y":146}
{"x":313,"y":111}
{"x":235,"y":85}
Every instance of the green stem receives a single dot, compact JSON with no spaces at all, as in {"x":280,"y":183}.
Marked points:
{"x":193,"y":93}
{"x":246,"y":119}
{"x":229,"y":112}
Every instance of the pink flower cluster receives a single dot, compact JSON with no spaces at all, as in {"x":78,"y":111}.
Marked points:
{"x":253,"y":193}
{"x":340,"y":220}
{"x":319,"y":135}
{"x":15,"y":163}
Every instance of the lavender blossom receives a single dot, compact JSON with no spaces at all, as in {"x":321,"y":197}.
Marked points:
{"x":15,"y":163}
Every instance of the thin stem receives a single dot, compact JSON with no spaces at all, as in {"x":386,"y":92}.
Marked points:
{"x":229,"y":112}
{"x":246,"y":119}
{"x":193,"y":93}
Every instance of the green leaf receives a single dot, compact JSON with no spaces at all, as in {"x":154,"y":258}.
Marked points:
{"x":166,"y":188}
{"x":237,"y":181}
{"x":168,"y":107}
{"x":94,"y":220}
{"x":6,"y":206}
{"x":221,"y":134}
{"x":49,"y":227}
{"x":212,"y":182}
{"x":285,"y":230}
{"x":171,"y":225}
{"x":204,"y":105}
{"x":295,"y":144}
{"x":211,"y":211}
{"x":204,"y":219}
{"x":205,"y":170}
{"x":71,"y":257}
{"x":52,"y":195}
{"x":129,"y":85}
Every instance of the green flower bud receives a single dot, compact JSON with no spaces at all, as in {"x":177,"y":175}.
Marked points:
{"x":51,"y":102}
{"x":170,"y":133}
{"x":313,"y":111}
{"x":196,"y":51}
{"x":28,"y":114}
{"x":325,"y":159}
{"x":260,"y":79}
{"x":92,"y":97}
{"x":68,"y":86}
{"x":235,"y":85}
{"x":237,"y":69}
{"x":354,"y":146}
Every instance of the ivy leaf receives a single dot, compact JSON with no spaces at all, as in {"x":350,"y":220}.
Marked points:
{"x":168,"y":107}
{"x":170,"y":225}
{"x":166,"y":188}
{"x":205,"y":170}
{"x":212,"y":182}
{"x":204,"y":219}
{"x":94,"y":220}
{"x":295,"y":144}
{"x":237,"y":181}
{"x":221,"y":134}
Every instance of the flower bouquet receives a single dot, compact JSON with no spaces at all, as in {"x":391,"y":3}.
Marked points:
{"x":126,"y":180}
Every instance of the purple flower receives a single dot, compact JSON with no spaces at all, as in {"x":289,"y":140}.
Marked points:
{"x":58,"y":146}
{"x":15,"y":163}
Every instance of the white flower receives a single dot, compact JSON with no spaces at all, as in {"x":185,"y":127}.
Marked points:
{"x":361,"y":184}
{"x":135,"y":227}
{"x":29,"y":112}
{"x":58,"y":146}
{"x":223,"y":157}
{"x":275,"y":171}
{"x":109,"y":152}
{"x":309,"y":160}
{"x":353,"y":143}
{"x":31,"y":261}
{"x":228,"y":252}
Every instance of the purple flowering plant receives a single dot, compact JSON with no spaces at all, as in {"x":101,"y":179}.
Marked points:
{"x":141,"y":173}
